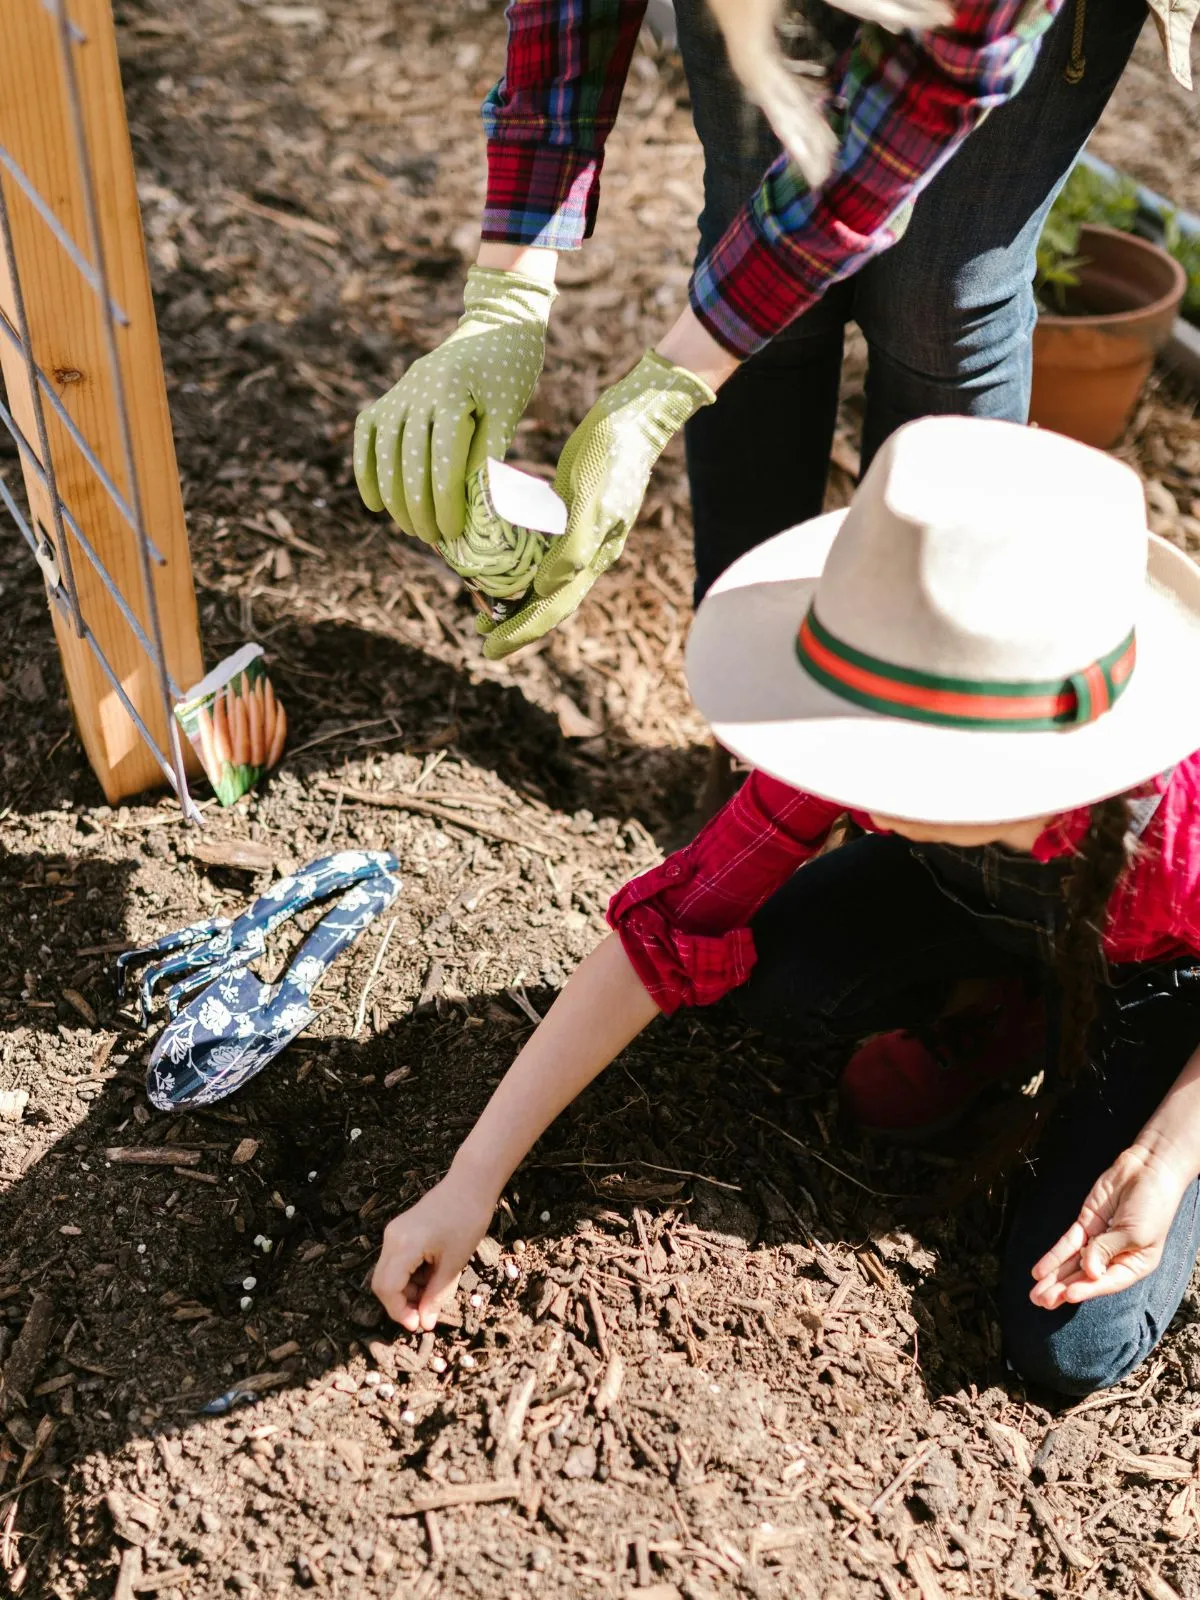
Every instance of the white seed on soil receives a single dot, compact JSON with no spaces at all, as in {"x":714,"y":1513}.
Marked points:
{"x":373,"y":1379}
{"x":386,"y":1391}
{"x":438,"y":1363}
{"x":518,"y":1247}
{"x":311,"y":1176}
{"x":289,"y":1212}
{"x":245,"y":1302}
{"x":141,"y":1249}
{"x":477,"y":1301}
{"x":545,"y":1216}
{"x":408,"y":1417}
{"x":467,"y":1359}
{"x":511,"y":1271}
{"x":355,"y":1133}
{"x":266,"y":1246}
{"x":249,"y":1283}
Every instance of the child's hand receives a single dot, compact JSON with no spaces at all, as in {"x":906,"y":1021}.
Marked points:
{"x":1119,"y":1236}
{"x":425,"y":1250}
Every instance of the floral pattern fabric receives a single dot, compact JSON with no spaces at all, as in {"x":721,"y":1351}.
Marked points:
{"x":236,"y":1024}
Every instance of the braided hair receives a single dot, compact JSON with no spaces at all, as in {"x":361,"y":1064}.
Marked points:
{"x":1104,"y":854}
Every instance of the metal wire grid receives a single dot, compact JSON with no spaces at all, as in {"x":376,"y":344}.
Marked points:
{"x":55,"y":560}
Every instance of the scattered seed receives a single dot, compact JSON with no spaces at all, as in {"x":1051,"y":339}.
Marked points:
{"x":519,"y":1247}
{"x":477,"y":1300}
{"x":289,"y":1212}
{"x":141,"y":1250}
{"x":408,"y":1418}
{"x":439,"y":1363}
{"x":467,"y":1359}
{"x":511,"y":1271}
{"x":245,"y":1302}
{"x":373,"y":1379}
{"x":545,"y":1216}
{"x":355,"y":1133}
{"x":249,"y":1283}
{"x":386,"y":1391}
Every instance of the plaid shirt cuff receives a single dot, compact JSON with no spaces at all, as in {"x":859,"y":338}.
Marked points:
{"x":541,"y":194}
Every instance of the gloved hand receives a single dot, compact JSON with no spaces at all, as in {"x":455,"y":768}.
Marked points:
{"x":602,"y":476}
{"x":416,"y":446}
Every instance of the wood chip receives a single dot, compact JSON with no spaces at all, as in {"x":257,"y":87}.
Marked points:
{"x":244,"y":855}
{"x":397,"y":800}
{"x":77,"y":1003}
{"x":610,"y":1384}
{"x":460,"y":1494}
{"x":1155,"y":1586}
{"x":1158,"y":1468}
{"x":246,"y":1150}
{"x":150,"y":1155}
{"x":27,"y":1355}
{"x":1045,"y":1514}
{"x":920,"y":1570}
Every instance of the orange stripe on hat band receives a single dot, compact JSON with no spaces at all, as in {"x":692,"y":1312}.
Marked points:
{"x":963,"y":702}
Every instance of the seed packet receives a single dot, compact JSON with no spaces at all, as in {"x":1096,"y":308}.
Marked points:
{"x":234,"y":723}
{"x":511,"y":518}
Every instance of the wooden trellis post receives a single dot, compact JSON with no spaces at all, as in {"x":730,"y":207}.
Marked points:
{"x":62,"y":110}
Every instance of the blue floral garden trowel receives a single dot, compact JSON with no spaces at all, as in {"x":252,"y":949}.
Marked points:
{"x":236,"y":1024}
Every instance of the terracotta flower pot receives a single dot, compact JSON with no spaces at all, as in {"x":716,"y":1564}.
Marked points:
{"x":1089,"y":368}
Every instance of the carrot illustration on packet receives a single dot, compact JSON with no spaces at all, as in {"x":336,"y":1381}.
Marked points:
{"x":235,"y":722}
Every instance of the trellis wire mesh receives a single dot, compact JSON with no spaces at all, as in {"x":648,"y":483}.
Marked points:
{"x":55,"y":558}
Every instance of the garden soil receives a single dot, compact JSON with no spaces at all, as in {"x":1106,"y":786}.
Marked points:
{"x":716,"y":1344}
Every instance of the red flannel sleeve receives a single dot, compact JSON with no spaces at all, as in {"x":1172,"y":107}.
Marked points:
{"x":906,"y":103}
{"x":549,"y":116}
{"x":685,"y":924}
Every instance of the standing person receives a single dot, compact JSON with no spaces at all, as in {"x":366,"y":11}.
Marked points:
{"x":981,"y":659}
{"x":945,"y":301}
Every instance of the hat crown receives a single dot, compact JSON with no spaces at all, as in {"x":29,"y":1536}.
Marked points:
{"x":984,"y":550}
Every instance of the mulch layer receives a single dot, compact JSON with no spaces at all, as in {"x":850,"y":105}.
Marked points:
{"x":715,"y":1344}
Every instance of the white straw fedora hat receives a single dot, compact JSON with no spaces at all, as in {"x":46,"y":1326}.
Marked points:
{"x":988,"y":633}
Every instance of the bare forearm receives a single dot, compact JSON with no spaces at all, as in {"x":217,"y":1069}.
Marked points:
{"x":690,"y":345}
{"x":601,"y":1009}
{"x":530,"y":260}
{"x":1174,"y":1129}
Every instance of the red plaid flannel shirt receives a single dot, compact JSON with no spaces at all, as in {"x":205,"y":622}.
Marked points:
{"x":904,"y":104}
{"x":685,"y":924}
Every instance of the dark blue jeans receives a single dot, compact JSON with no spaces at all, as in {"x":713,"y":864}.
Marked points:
{"x":947,"y":312}
{"x":863,"y":940}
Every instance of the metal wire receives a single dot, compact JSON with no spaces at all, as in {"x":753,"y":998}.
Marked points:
{"x":77,"y":438}
{"x":56,"y":564}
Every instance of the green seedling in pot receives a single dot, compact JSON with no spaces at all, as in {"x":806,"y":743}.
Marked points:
{"x":511,"y":519}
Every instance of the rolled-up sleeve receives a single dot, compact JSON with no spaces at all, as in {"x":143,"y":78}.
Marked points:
{"x":548,"y":118}
{"x":685,"y":924}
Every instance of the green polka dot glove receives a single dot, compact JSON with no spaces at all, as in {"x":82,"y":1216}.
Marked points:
{"x":415,"y":448}
{"x":602,"y":476}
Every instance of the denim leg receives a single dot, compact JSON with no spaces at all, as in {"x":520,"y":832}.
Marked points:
{"x":860,"y":940}
{"x":1078,"y":1349}
{"x":757,"y":459}
{"x":948,"y":312}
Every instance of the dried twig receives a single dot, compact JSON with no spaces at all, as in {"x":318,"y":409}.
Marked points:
{"x":813,"y":1155}
{"x":460,"y":1494}
{"x":151,"y":1155}
{"x":397,"y":800}
{"x":371,"y":976}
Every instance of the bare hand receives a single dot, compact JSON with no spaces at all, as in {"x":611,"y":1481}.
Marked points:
{"x":425,"y":1249}
{"x":1119,"y":1236}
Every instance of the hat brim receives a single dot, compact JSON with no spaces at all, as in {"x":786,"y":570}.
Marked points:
{"x":746,"y":679}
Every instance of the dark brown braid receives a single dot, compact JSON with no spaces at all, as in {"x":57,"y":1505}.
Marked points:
{"x":1104,"y":853}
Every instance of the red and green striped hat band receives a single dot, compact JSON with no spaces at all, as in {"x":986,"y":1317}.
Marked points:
{"x":963,"y":702}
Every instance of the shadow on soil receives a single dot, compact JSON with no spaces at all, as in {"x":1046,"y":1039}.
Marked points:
{"x":164,"y":1295}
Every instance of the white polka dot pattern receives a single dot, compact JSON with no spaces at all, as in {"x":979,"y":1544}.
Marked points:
{"x":415,"y":448}
{"x":602,"y":476}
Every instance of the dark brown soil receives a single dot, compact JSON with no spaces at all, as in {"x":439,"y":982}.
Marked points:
{"x":717,"y":1346}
